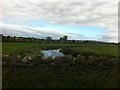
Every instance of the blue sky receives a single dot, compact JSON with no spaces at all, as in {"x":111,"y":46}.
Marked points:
{"x":88,"y":31}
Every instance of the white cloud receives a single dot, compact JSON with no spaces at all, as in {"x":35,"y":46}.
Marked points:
{"x":102,"y":14}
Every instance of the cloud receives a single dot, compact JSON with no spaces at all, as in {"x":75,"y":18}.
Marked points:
{"x":102,"y":14}
{"x":40,"y":32}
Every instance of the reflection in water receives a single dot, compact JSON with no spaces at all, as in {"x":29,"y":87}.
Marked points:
{"x":52,"y":53}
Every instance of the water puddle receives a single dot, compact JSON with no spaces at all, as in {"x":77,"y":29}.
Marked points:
{"x":52,"y":53}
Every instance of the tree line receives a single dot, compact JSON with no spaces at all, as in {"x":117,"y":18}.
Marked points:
{"x":48,"y":39}
{"x":31,"y":39}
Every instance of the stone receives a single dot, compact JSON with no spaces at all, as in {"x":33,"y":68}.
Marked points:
{"x":6,"y":59}
{"x":52,"y":64}
{"x":80,"y":59}
{"x":93,"y":59}
{"x":27,"y":59}
{"x":36,"y":60}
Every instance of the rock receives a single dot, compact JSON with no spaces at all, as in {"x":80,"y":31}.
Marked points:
{"x":36,"y":60}
{"x":16,"y":59}
{"x":80,"y":59}
{"x":19,"y":64}
{"x":11,"y":59}
{"x":52,"y":64}
{"x":19,"y":59}
{"x":100,"y":65}
{"x":58,"y":61}
{"x":18,"y":56}
{"x":105,"y":60}
{"x":27,"y":59}
{"x":93,"y":60}
{"x":6,"y":59}
{"x":5,"y":55}
{"x":46,"y":61}
{"x":68,"y":59}
{"x":114,"y":61}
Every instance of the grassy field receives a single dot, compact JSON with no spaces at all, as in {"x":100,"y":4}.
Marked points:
{"x":15,"y":47}
{"x":59,"y":77}
{"x":75,"y":49}
{"x":81,"y":75}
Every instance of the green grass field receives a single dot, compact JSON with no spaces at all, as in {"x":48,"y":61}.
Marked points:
{"x":83,"y":49}
{"x":59,"y":77}
{"x":81,"y":75}
{"x":15,"y":47}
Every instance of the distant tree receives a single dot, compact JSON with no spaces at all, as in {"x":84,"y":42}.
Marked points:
{"x":24,"y":39}
{"x":14,"y":37}
{"x":8,"y":37}
{"x":49,"y":38}
{"x":61,"y":38}
{"x":73,"y":40}
{"x":65,"y":38}
{"x":29,"y":38}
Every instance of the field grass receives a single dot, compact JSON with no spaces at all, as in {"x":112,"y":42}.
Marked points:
{"x":98,"y":50}
{"x":59,"y":77}
{"x":11,"y":47}
{"x":83,"y":49}
{"x":81,"y":75}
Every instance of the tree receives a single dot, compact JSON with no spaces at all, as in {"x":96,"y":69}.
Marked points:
{"x":14,"y":37}
{"x":8,"y":37}
{"x":49,"y":38}
{"x":73,"y":40}
{"x":65,"y":38}
{"x":61,"y":38}
{"x":29,"y":38}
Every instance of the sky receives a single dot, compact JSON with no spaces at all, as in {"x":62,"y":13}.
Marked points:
{"x":79,"y":20}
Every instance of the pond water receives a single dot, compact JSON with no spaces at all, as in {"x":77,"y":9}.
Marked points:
{"x":52,"y":53}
